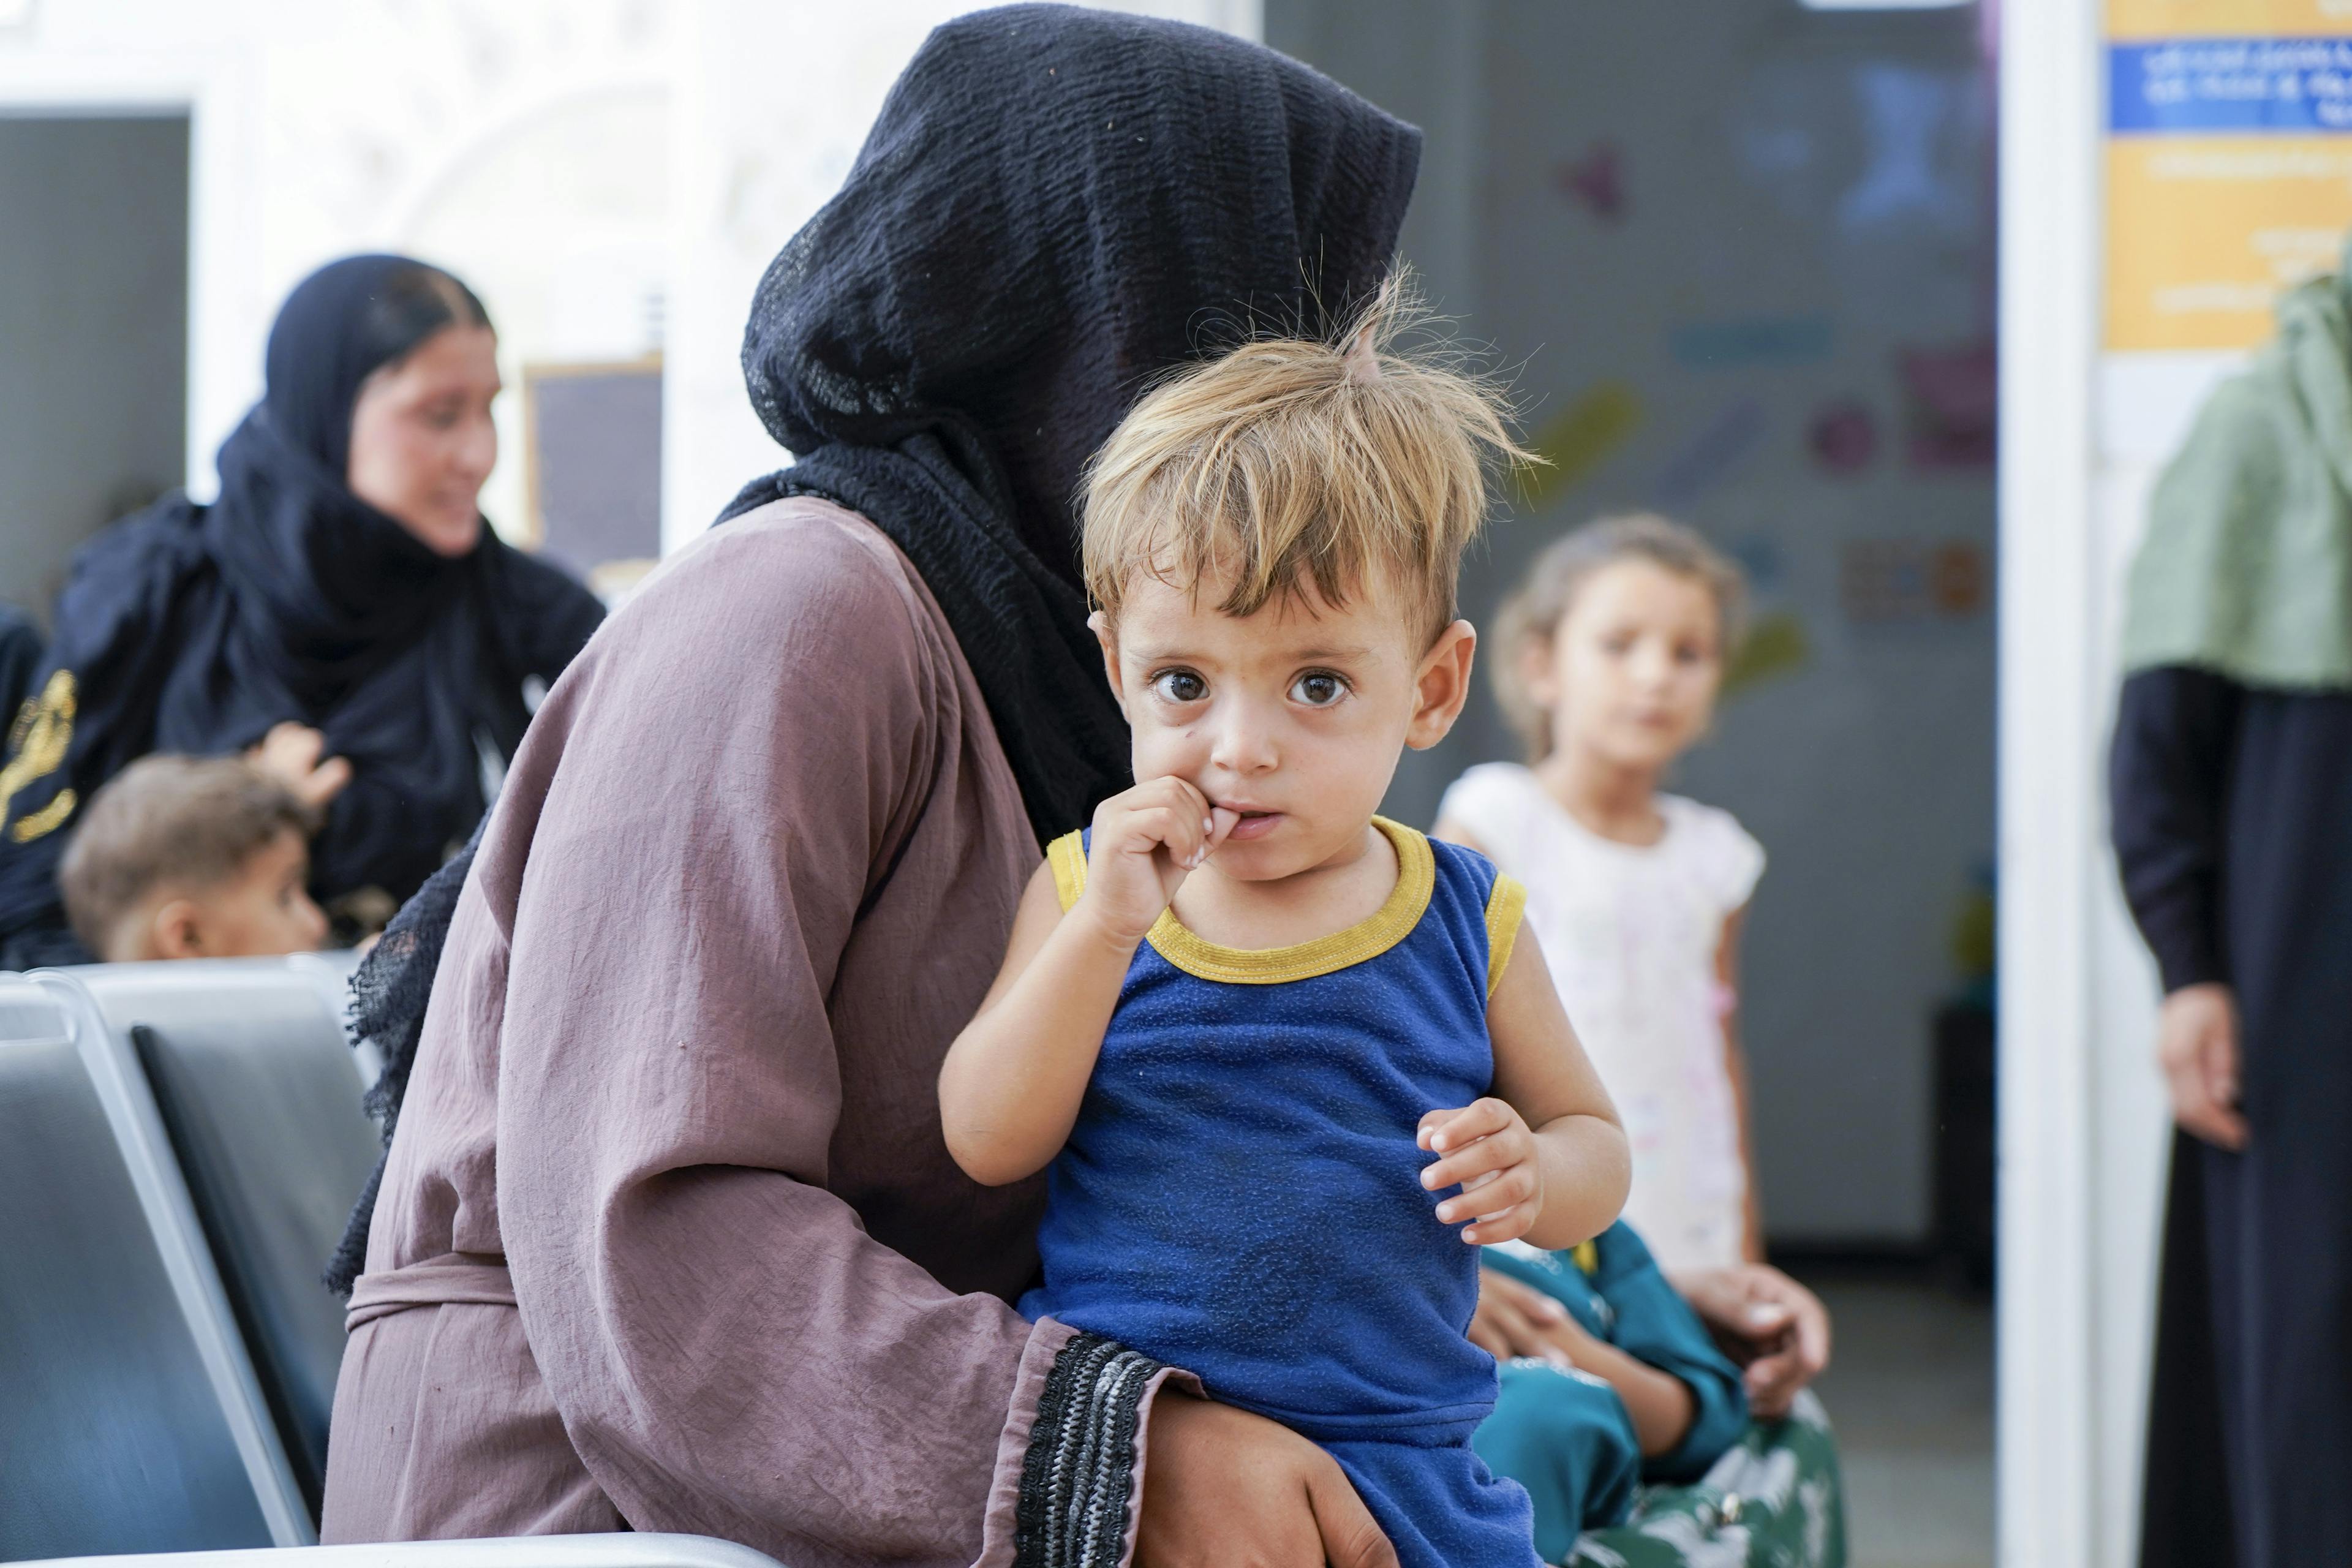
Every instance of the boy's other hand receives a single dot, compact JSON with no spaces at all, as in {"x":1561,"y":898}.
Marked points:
{"x":1146,"y":841}
{"x":2197,"y":1043}
{"x":1486,"y":1149}
{"x":293,"y":754}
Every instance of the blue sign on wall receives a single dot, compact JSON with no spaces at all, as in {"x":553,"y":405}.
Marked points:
{"x":2247,"y":84}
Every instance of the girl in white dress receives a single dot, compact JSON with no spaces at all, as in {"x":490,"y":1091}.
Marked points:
{"x":1608,"y":658}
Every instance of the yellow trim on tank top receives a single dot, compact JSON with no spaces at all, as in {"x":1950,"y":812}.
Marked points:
{"x":1507,"y":904}
{"x":1367,"y":939}
{"x":1586,"y":1255}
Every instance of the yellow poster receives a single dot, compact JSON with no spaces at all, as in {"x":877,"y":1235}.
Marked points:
{"x":2145,"y":21}
{"x":2229,"y":163}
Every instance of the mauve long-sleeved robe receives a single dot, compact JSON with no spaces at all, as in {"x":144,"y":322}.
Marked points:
{"x":752,"y":869}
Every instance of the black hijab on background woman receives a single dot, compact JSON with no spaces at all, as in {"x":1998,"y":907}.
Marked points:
{"x":946,"y":343}
{"x":195,"y":628}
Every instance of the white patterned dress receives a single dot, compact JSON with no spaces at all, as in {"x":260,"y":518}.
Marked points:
{"x":1631,"y":933}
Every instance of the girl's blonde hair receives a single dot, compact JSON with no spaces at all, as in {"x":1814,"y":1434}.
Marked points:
{"x":1531,"y":615}
{"x":1291,"y":461}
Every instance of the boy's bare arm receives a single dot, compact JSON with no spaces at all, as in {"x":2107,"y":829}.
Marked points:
{"x":1012,"y":1083}
{"x":1547,"y":1142}
{"x":1541,"y":1069}
{"x":1010,"y":1087}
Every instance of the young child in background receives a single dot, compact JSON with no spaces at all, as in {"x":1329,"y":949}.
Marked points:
{"x":193,"y":858}
{"x":1608,"y":660}
{"x":1259,"y":1033}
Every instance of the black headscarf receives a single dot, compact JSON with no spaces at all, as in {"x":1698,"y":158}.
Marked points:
{"x":194,"y":628}
{"x":1054,"y":206}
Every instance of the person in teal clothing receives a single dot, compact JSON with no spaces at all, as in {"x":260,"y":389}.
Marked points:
{"x":1648,"y":1398}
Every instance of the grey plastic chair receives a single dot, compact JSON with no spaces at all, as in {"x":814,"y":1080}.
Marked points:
{"x":131,"y":1420}
{"x":256,"y":1090}
{"x":331,"y":971}
{"x":507,"y":1551}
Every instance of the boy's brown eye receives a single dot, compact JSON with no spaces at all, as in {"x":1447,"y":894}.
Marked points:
{"x":1319,"y":689}
{"x":1181,"y":686}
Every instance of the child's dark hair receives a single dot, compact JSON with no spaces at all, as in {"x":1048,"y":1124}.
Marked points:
{"x":188,"y":822}
{"x":1532,"y":613}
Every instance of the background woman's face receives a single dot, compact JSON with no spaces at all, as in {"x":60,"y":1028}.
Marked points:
{"x":422,"y":440}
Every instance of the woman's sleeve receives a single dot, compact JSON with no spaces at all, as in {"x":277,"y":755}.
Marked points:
{"x":732,"y":1354}
{"x":380,"y":833}
{"x":89,"y":715}
{"x":22,"y":652}
{"x":563,"y":617}
{"x":2165,"y":777}
{"x":1656,"y":1326}
{"x":539,"y":612}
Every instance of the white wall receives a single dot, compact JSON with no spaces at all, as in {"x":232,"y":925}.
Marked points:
{"x":93,"y":317}
{"x":611,"y":176}
{"x":496,"y":138}
{"x":775,"y":102}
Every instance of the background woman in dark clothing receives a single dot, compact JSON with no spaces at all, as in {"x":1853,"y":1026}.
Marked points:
{"x":341,"y":610}
{"x":2231,"y":784}
{"x":21,"y":651}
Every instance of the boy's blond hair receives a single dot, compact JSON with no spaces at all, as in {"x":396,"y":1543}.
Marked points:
{"x":1530,"y":617}
{"x":170,"y":821}
{"x":1296,"y":461}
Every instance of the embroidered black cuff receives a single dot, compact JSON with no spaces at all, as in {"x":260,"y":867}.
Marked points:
{"x":1077,"y":1480}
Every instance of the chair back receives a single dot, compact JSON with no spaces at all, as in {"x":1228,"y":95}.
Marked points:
{"x":256,"y":1088}
{"x":131,"y":1420}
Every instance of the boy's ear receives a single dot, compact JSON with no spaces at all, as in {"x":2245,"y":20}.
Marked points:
{"x":1443,"y":685}
{"x":177,"y":929}
{"x":1099,"y":624}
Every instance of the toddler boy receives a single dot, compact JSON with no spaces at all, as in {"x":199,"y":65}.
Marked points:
{"x":1281,"y":1057}
{"x":191,"y":858}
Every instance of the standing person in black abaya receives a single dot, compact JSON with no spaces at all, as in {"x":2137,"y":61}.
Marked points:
{"x":2232,"y":795}
{"x":342,"y":613}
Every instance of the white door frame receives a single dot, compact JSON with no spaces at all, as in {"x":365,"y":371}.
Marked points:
{"x":2061,"y":1467}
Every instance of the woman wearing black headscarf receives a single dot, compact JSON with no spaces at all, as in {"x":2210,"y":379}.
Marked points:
{"x":669,"y":1238}
{"x":341,"y":610}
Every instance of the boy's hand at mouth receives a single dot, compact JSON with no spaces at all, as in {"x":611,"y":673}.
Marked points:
{"x":1146,"y":841}
{"x":1487,"y":1150}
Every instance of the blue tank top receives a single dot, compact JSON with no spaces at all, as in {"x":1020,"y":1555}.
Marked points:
{"x":1241,"y":1195}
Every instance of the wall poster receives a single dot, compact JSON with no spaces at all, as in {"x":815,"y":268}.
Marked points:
{"x":2229,"y":163}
